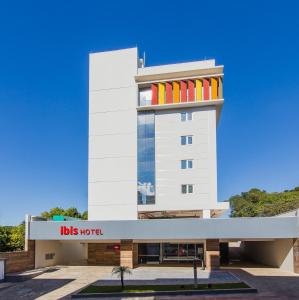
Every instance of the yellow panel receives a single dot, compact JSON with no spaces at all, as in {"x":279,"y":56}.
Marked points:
{"x":214,"y":87}
{"x":220,"y":92}
{"x":198,"y":84}
{"x":176,"y":92}
{"x":161,"y":93}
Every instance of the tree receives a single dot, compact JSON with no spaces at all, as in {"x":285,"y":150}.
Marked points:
{"x":53,"y":212}
{"x":17,"y":237}
{"x":4,"y":238}
{"x":120,"y":271}
{"x":70,"y":212}
{"x":258,"y":203}
{"x":12,"y":238}
{"x":85,"y":215}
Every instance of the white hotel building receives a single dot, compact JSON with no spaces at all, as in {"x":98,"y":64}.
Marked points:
{"x":152,"y":138}
{"x":152,"y":179}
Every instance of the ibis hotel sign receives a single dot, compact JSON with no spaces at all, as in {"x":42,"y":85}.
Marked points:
{"x":166,"y":229}
{"x":65,"y":230}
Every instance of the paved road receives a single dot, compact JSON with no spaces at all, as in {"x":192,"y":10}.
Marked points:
{"x":61,"y":282}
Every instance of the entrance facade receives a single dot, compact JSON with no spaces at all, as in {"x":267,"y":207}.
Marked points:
{"x":158,"y":253}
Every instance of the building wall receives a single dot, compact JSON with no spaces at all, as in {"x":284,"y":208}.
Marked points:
{"x":169,"y":152}
{"x":103,"y":254}
{"x":18,"y":261}
{"x":74,"y":253}
{"x":43,"y":248}
{"x":65,"y":253}
{"x":277,"y":253}
{"x":296,"y":255}
{"x":112,"y":175}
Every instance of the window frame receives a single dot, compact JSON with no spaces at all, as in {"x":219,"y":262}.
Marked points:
{"x":184,"y":189}
{"x":186,"y":164}
{"x":188,"y":140}
{"x":186,"y":116}
{"x":187,"y":188}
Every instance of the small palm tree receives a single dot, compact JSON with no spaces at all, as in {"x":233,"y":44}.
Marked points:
{"x":120,"y":271}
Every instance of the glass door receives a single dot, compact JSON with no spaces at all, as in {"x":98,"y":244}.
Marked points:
{"x":149,"y":253}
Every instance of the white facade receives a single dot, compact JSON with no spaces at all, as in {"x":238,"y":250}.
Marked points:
{"x":112,"y":167}
{"x":169,"y":152}
{"x":115,"y":79}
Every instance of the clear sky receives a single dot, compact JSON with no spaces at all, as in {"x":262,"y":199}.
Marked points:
{"x":44,"y":48}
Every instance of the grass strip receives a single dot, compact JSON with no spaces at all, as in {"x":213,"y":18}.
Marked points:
{"x":155,"y":288}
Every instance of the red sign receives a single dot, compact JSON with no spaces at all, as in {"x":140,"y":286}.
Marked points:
{"x":115,"y":247}
{"x":64,"y":230}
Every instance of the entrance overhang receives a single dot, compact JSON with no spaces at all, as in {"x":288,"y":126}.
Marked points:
{"x":167,"y":229}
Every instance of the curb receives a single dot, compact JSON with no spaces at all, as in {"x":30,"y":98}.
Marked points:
{"x":169,"y":293}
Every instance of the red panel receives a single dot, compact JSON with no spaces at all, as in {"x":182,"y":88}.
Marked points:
{"x":206,"y":89}
{"x":154,"y":94}
{"x":191,"y":91}
{"x":183,"y":91}
{"x":168,"y":92}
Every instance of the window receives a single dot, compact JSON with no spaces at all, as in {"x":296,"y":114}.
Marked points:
{"x":186,"y":116}
{"x":186,"y":164}
{"x":145,"y":97}
{"x":146,"y":158}
{"x":186,"y":139}
{"x":187,"y":188}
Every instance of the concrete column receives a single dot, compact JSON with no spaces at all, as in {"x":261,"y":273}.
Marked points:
{"x":27,"y":234}
{"x":212,"y":254}
{"x":128,"y":253}
{"x":296,"y":255}
{"x":206,"y":214}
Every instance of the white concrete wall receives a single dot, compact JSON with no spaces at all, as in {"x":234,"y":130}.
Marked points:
{"x":277,"y":253}
{"x":169,"y":152}
{"x":74,"y":252}
{"x":66,"y":253}
{"x":112,"y":175}
{"x":44,"y":247}
{"x":195,"y":65}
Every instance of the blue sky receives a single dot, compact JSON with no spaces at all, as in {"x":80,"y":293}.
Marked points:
{"x":44,"y":48}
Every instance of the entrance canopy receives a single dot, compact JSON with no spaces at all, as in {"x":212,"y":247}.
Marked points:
{"x":166,"y":229}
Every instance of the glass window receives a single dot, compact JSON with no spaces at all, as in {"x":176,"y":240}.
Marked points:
{"x":191,"y":250}
{"x":186,"y":116}
{"x":183,"y":250}
{"x":148,"y":253}
{"x":170,"y":250}
{"x":145,"y":97}
{"x":186,"y":164}
{"x":186,"y":139}
{"x":146,"y":158}
{"x":187,"y":188}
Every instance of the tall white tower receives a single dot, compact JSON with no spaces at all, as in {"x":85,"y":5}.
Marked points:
{"x":152,"y":138}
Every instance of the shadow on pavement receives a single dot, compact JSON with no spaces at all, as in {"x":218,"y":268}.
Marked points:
{"x":32,"y":288}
